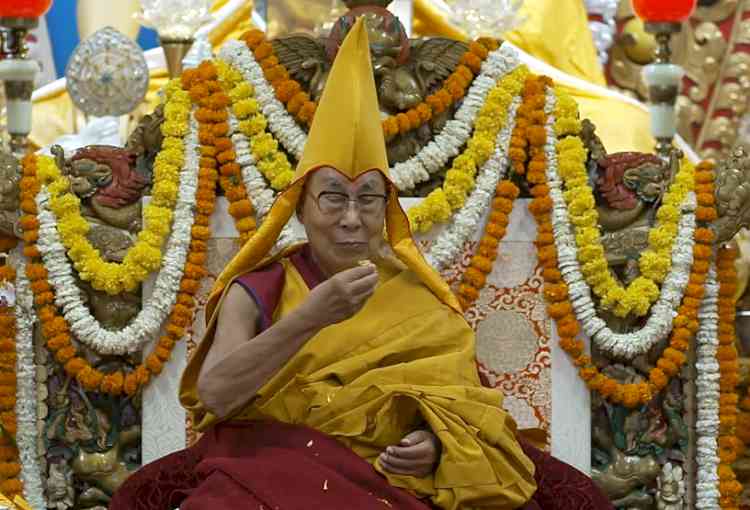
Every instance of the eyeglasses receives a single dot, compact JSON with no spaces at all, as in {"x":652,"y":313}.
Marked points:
{"x":335,"y":204}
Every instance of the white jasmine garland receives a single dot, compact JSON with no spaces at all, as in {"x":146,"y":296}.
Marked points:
{"x":659,"y":323}
{"x":707,"y":398}
{"x":145,"y":326}
{"x":449,"y":244}
{"x":26,"y":399}
{"x":430,"y":159}
{"x":260,"y":194}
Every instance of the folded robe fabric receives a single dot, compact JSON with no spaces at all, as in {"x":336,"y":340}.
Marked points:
{"x":404,"y":359}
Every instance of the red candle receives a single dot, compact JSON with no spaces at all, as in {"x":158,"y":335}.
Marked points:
{"x":664,"y":11}
{"x":23,"y":8}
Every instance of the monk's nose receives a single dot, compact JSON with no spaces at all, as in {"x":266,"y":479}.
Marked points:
{"x":351,"y":217}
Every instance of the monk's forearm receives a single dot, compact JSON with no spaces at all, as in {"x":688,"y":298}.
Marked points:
{"x":233,"y":381}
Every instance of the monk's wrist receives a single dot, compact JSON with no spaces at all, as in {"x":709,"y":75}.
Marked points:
{"x":307,"y":319}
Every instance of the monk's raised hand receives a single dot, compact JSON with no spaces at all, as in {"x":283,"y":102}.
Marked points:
{"x":416,"y":455}
{"x":341,"y":296}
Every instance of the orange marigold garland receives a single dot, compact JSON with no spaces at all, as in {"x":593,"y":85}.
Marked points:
{"x":474,"y":277}
{"x":561,"y":310}
{"x":10,"y":466}
{"x":216,"y":146}
{"x":55,"y":328}
{"x":298,"y":102}
{"x":730,"y":445}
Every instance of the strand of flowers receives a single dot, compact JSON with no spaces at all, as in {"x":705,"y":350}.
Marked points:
{"x":654,"y":263}
{"x":218,"y":147}
{"x":475,"y":276}
{"x":56,"y":329}
{"x":707,"y":399}
{"x":529,"y":137}
{"x":230,"y":179}
{"x":145,"y":255}
{"x":299,"y":104}
{"x":660,"y":320}
{"x":559,"y":295}
{"x":145,"y":326}
{"x":259,"y":193}
{"x":257,"y":143}
{"x":10,"y":467}
{"x":430,"y":159}
{"x":459,"y":179}
{"x":450,"y":243}
{"x":26,"y":398}
{"x":232,"y":155}
{"x":730,"y":446}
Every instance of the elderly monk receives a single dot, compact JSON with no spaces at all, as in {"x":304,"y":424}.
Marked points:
{"x":340,"y":374}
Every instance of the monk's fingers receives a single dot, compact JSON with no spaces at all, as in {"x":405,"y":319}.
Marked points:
{"x":415,"y":437}
{"x":418,"y":471}
{"x":364,"y":284}
{"x":421,"y":450}
{"x":412,"y":464}
{"x":363,"y":295}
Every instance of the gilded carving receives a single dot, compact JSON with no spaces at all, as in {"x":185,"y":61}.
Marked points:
{"x":406,"y":71}
{"x":701,"y":55}
{"x":717,"y":65}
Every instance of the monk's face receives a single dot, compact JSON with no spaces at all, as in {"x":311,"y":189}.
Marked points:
{"x":343,"y":219}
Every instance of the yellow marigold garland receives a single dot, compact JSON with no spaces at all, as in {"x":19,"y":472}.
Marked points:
{"x":560,"y":308}
{"x":459,"y":180}
{"x":730,"y":445}
{"x":56,"y":330}
{"x":654,"y":263}
{"x":272,"y":162}
{"x":10,"y":466}
{"x":144,"y":256}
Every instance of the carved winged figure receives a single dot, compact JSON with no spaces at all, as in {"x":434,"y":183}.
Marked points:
{"x":406,"y":70}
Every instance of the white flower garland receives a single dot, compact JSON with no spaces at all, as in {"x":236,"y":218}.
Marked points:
{"x":430,"y":159}
{"x":145,"y":326}
{"x":450,"y":243}
{"x":659,"y":324}
{"x":707,"y":397}
{"x":26,"y":399}
{"x":260,"y":194}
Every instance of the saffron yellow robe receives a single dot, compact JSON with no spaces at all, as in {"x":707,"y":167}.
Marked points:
{"x":369,"y":381}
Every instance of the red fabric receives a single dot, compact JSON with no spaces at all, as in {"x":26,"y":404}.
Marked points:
{"x":265,"y":288}
{"x":265,"y":285}
{"x":270,"y":465}
{"x":307,"y":267}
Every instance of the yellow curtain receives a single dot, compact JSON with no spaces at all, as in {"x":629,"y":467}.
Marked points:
{"x":561,"y":40}
{"x":557,"y":33}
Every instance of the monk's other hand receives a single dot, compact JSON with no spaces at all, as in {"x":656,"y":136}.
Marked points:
{"x":341,"y":296}
{"x":416,"y":455}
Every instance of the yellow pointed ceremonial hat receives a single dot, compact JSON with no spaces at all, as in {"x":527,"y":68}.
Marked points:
{"x":346,"y":134}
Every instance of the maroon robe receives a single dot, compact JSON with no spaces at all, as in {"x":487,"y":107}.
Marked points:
{"x":267,"y":465}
